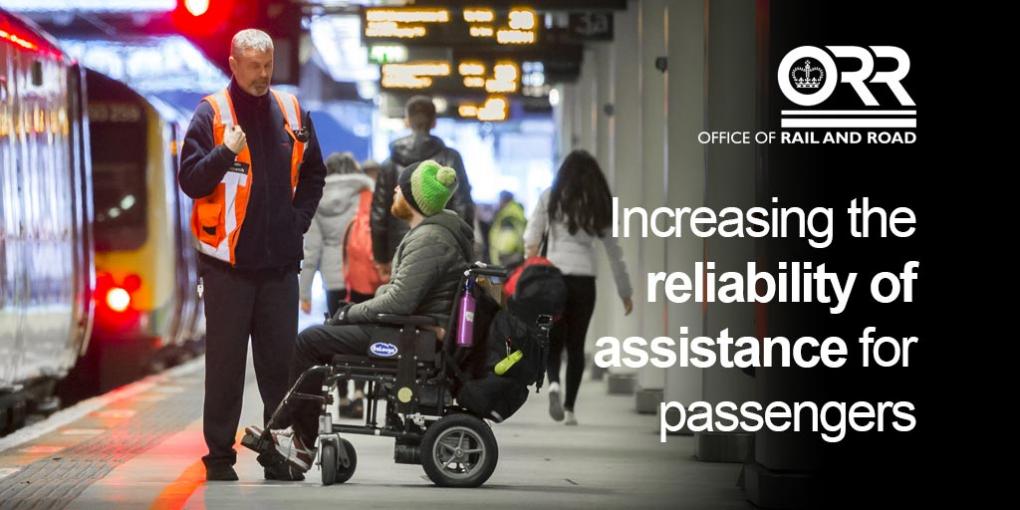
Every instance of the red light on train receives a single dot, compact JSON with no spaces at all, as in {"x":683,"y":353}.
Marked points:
{"x":117,"y":296}
{"x":14,"y":31}
{"x":118,"y":299}
{"x":17,"y":40}
{"x":132,"y":282}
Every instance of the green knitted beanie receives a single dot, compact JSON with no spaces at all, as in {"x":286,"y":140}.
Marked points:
{"x":428,"y":186}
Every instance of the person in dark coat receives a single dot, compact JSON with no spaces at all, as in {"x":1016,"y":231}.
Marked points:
{"x":240,"y":159}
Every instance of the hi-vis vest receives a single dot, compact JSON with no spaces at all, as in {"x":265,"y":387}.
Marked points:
{"x":216,"y":218}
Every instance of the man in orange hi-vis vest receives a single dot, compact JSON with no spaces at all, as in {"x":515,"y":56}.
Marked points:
{"x":251,"y":162}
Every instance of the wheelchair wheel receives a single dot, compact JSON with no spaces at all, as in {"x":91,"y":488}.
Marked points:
{"x":333,"y":470}
{"x":459,"y":451}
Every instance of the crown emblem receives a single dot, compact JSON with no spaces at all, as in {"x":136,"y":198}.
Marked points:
{"x":807,"y":77}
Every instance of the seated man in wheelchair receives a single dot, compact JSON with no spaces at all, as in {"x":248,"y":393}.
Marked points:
{"x":427,"y":268}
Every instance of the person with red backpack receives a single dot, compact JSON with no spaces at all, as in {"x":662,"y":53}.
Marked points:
{"x":360,"y":272}
{"x":324,"y":242}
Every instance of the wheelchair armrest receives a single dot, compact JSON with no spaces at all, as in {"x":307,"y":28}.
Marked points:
{"x":487,"y":270}
{"x":405,"y":320}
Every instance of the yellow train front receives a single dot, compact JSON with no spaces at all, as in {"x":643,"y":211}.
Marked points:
{"x":148,"y":314}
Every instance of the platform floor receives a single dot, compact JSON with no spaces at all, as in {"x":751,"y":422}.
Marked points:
{"x":139,"y":447}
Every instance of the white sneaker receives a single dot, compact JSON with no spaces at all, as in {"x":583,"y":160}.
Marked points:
{"x":555,"y":406}
{"x":289,"y":445}
{"x":570,"y":420}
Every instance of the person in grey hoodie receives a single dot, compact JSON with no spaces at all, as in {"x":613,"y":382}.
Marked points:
{"x":324,"y":240}
{"x":427,"y":267}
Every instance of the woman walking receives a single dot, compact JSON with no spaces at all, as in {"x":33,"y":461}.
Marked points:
{"x":570,"y":216}
{"x":324,"y":240}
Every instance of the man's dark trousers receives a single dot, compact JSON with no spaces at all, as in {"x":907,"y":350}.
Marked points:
{"x":315,"y":346}
{"x":263,"y":304}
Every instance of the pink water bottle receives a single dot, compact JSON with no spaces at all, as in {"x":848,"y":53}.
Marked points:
{"x":466,"y":326}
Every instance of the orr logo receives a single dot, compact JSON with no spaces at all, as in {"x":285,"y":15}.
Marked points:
{"x":808,"y":75}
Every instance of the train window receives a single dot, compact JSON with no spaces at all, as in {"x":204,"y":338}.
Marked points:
{"x":37,"y":73}
{"x":118,"y":139}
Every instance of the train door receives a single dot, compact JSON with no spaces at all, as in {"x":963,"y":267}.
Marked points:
{"x":10,"y":247}
{"x":186,"y":266}
{"x":85,"y":274}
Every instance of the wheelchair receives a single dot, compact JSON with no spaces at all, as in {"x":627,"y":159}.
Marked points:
{"x":416,"y":376}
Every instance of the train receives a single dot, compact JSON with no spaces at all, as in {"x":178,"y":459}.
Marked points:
{"x":98,"y":271}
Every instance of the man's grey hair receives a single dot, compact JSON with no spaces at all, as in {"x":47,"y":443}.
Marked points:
{"x":250,"y":39}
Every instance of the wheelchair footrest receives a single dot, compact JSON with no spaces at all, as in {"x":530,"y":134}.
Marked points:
{"x":256,"y":440}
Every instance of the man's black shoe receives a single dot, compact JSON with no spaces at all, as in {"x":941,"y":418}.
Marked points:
{"x":220,"y":473}
{"x":283,"y":472}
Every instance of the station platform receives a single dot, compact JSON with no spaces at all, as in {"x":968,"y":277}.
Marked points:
{"x":140,"y":447}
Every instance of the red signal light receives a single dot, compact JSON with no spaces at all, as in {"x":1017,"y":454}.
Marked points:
{"x":203,"y":18}
{"x":196,"y":7}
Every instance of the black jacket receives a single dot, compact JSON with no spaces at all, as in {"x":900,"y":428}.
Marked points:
{"x":275,"y":222}
{"x":388,"y":230}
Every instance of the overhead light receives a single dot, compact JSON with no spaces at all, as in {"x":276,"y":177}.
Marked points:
{"x":149,"y":65}
{"x":474,"y":81}
{"x":467,"y":110}
{"x":554,"y":97}
{"x":104,"y":6}
{"x":441,"y":104}
{"x":367,"y":90}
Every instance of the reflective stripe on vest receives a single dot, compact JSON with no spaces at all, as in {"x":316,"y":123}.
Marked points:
{"x":216,"y":219}
{"x":288,"y":104}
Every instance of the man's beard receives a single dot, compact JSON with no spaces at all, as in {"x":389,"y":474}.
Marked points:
{"x":259,"y":88}
{"x":401,"y":209}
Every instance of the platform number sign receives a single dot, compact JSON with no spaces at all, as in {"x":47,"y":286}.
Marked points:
{"x":592,"y":26}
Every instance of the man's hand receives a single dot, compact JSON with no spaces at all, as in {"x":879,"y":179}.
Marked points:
{"x":340,"y":317}
{"x":306,"y":306}
{"x":234,"y":139}
{"x":628,"y":306}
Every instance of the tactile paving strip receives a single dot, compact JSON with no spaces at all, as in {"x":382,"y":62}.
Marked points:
{"x":55,"y":481}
